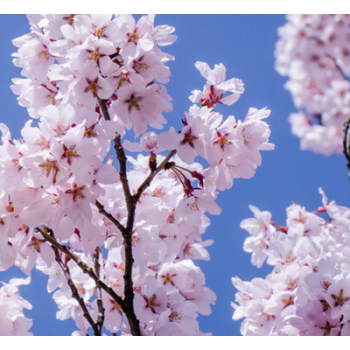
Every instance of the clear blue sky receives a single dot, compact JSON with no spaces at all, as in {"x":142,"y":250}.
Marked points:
{"x":245,"y":45}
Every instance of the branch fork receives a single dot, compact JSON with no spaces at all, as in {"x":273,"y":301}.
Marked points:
{"x":126,"y":304}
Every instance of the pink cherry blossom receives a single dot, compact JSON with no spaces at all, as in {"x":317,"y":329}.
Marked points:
{"x":12,"y":320}
{"x":118,"y":235}
{"x":312,"y":53}
{"x":216,"y":86}
{"x":307,"y":291}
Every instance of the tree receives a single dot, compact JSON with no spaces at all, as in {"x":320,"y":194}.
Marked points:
{"x":118,"y":244}
{"x":119,"y":230}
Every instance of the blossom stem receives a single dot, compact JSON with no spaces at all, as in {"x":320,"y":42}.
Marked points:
{"x":179,"y":175}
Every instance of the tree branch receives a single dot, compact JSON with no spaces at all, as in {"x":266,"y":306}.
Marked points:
{"x":74,"y":290}
{"x":101,"y":309}
{"x":346,"y":145}
{"x":151,"y":176}
{"x":120,"y":154}
{"x":109,"y":216}
{"x":131,"y":202}
{"x":338,"y":67}
{"x":126,"y":304}
{"x":84,"y":267}
{"x":127,"y":231}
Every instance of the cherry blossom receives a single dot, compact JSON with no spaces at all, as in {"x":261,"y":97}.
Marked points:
{"x":117,"y":233}
{"x":313,"y":53}
{"x":307,"y":291}
{"x":12,"y":319}
{"x":216,"y":86}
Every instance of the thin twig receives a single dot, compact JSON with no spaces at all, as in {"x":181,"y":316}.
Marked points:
{"x":109,"y":216}
{"x":84,"y":267}
{"x":338,"y":68}
{"x":74,"y":290}
{"x":151,"y":176}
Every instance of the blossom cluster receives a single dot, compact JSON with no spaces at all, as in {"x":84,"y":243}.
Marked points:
{"x":313,"y":52}
{"x":88,"y":80}
{"x":12,"y":320}
{"x":307,"y":292}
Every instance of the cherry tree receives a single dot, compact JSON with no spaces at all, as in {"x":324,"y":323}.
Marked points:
{"x":96,"y":195}
{"x":307,"y":292}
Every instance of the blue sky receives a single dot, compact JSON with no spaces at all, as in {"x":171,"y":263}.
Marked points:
{"x":245,"y":45}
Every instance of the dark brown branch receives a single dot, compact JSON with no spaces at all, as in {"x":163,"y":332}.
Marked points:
{"x":101,"y":309}
{"x":346,"y":145}
{"x":74,"y":290}
{"x":120,"y":154}
{"x":104,"y":109}
{"x":131,"y":202}
{"x":126,"y":304}
{"x":109,"y":216}
{"x":127,"y":231}
{"x":129,"y":260}
{"x":84,"y":267}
